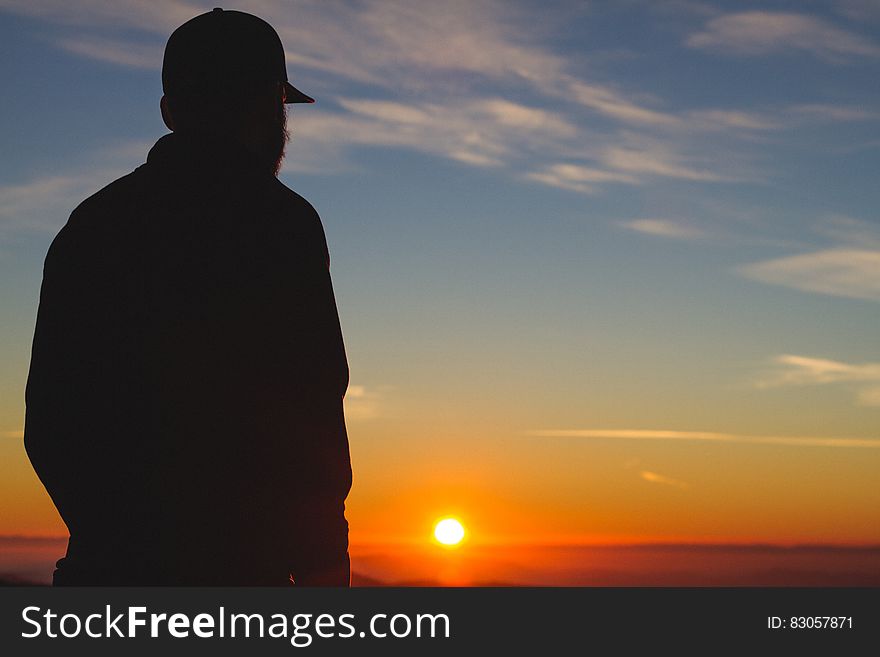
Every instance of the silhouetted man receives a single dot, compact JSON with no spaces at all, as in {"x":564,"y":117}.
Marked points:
{"x":184,"y":404}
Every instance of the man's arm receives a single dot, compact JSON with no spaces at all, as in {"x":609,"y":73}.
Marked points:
{"x":69,"y":395}
{"x":317,"y":467}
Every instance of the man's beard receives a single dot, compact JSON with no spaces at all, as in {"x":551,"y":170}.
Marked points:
{"x":269,"y":149}
{"x":276,"y":144}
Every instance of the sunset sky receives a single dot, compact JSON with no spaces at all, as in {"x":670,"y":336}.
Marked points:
{"x":607,"y":271}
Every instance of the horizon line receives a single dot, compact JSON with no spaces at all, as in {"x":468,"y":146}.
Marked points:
{"x":562,"y":543}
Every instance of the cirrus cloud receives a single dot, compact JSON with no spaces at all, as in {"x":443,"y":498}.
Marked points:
{"x":656,"y":478}
{"x":705,"y":436}
{"x":664,"y":228}
{"x":764,"y":32}
{"x":793,"y":370}
{"x":843,"y":272}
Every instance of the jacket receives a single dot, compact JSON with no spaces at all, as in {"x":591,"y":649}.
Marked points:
{"x":184,"y":401}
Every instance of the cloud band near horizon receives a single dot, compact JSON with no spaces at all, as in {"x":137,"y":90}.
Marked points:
{"x":706,"y":436}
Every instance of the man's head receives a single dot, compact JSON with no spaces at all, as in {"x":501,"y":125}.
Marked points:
{"x":224,"y":74}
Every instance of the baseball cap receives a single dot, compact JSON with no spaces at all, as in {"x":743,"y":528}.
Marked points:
{"x":223,"y":51}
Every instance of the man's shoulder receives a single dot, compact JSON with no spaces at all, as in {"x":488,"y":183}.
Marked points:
{"x":91,"y":230}
{"x":300,"y":219}
{"x":296,"y":211}
{"x":291,"y":202}
{"x":107,"y":202}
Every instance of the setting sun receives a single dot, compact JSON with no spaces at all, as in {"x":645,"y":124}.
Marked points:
{"x":449,"y":531}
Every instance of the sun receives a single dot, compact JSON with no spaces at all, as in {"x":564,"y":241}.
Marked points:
{"x":449,"y":531}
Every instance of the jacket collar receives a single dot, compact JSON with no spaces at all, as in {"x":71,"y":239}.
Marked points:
{"x":205,"y":154}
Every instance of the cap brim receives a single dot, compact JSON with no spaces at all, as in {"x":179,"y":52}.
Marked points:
{"x":294,"y":95}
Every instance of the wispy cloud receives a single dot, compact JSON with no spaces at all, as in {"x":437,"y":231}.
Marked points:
{"x":469,"y":60}
{"x":157,"y":15}
{"x":719,"y":119}
{"x":705,"y":436}
{"x":578,"y":178}
{"x":485,"y":132}
{"x":365,"y":41}
{"x":441,"y":79}
{"x":792,"y":370}
{"x":659,"y":160}
{"x":120,"y":53}
{"x":612,"y":103}
{"x":655,"y":478}
{"x":832,"y":113}
{"x":670,"y":228}
{"x":763,"y":32}
{"x":362,"y":403}
{"x":844,"y":272}
{"x":43,"y":203}
{"x":634,"y":159}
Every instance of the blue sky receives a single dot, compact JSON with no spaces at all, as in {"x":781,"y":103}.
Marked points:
{"x":563,"y":216}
